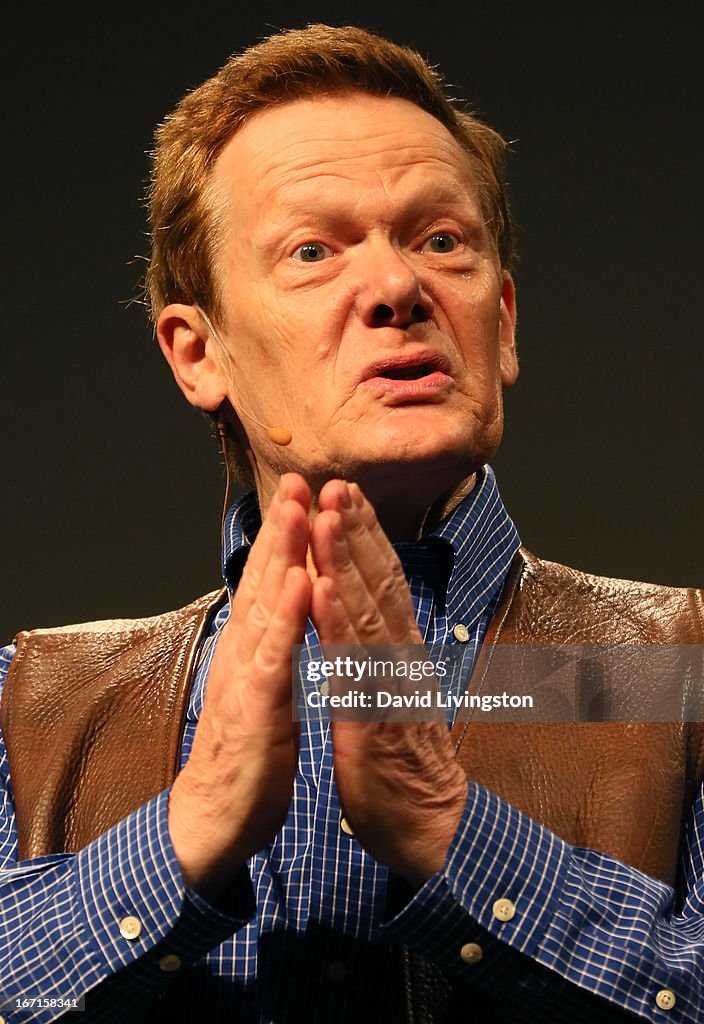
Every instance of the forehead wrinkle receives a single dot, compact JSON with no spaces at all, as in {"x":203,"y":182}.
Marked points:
{"x":286,"y":155}
{"x":284,"y":188}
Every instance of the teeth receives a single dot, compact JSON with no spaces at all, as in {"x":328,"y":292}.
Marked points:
{"x":406,"y":372}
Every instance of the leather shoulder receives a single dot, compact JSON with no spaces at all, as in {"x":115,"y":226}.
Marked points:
{"x":84,"y":704}
{"x":130,"y":626}
{"x":562,"y":603}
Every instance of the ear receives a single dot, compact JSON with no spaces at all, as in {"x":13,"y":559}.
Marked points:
{"x":508,"y":357}
{"x":189,"y":349}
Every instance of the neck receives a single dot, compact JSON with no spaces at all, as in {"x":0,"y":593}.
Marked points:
{"x":405,"y":511}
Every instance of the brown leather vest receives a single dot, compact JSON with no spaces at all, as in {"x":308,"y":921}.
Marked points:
{"x":93,"y":716}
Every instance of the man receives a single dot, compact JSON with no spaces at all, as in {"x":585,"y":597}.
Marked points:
{"x":330,"y":278}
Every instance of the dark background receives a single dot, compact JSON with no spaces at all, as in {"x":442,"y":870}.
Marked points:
{"x":112,"y":488}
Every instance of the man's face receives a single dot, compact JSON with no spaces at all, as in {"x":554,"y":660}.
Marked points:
{"x":365,"y":311}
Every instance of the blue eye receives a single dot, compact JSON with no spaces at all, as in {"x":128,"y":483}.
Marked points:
{"x":312,"y":252}
{"x":442,"y":241}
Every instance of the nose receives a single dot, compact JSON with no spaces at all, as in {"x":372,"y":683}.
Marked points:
{"x":391,"y":293}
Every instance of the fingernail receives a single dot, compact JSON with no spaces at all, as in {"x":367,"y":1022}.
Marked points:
{"x":356,"y":494}
{"x":346,"y":500}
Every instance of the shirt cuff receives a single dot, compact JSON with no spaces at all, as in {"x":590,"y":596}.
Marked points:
{"x":499,"y":887}
{"x":134,"y":900}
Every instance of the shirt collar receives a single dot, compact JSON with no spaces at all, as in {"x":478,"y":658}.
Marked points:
{"x":482,"y":541}
{"x":240,"y":528}
{"x":465,"y":558}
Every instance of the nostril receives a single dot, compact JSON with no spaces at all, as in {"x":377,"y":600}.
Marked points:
{"x":383,"y":313}
{"x":419,"y":313}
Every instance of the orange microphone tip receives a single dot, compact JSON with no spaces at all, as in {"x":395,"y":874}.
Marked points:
{"x":279,"y":436}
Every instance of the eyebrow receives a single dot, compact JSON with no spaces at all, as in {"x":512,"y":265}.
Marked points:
{"x":331,"y":213}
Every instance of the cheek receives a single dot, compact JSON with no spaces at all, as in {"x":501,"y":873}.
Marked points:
{"x":474,"y":308}
{"x":265,"y":343}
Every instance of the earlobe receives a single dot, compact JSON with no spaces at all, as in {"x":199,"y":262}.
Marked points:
{"x":508,"y":355}
{"x":183,"y":338}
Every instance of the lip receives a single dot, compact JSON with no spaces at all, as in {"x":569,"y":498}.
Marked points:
{"x":431,"y":387}
{"x":437,"y":363}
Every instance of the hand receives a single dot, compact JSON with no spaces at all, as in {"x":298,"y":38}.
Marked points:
{"x":233,"y":795}
{"x":401,"y":788}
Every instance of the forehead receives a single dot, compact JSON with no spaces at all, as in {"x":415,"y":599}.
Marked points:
{"x":339,"y":142}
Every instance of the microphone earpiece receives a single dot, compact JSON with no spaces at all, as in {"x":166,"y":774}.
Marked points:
{"x":279,"y":436}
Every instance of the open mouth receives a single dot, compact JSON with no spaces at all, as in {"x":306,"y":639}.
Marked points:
{"x":407,"y":372}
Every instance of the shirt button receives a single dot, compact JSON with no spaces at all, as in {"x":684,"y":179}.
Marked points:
{"x":170,"y":962}
{"x":471,"y":953}
{"x":325,"y":688}
{"x":346,"y":827}
{"x":504,"y":910}
{"x":336,"y":971}
{"x":665,"y":999}
{"x":461,"y":633}
{"x":130,"y":928}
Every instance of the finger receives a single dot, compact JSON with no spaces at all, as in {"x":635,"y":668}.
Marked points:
{"x":366,"y":512}
{"x":332,"y":496}
{"x":290,"y":549}
{"x":332,"y":558}
{"x":385,"y":573}
{"x":329,"y":614}
{"x":269,"y":541}
{"x":375,"y":559}
{"x":269,"y":681}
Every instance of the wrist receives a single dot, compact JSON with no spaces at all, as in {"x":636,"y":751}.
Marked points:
{"x":208,"y":862}
{"x":427,"y":856}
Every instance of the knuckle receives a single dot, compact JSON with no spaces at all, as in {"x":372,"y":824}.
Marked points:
{"x":386,"y":589}
{"x":370,"y":621}
{"x":259,"y":615}
{"x":251,"y":576}
{"x":267,"y":660}
{"x":245,"y":594}
{"x":397,"y":573}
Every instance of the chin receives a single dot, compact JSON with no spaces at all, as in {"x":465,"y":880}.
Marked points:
{"x":434,"y":445}
{"x":430,"y":466}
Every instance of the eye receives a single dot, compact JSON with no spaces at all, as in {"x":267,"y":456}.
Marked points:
{"x":441,"y":241}
{"x":312,"y":252}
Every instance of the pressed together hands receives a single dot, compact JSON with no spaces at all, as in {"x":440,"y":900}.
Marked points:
{"x":399,"y":784}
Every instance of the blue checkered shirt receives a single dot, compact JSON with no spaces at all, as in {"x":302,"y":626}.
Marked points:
{"x":308,"y":934}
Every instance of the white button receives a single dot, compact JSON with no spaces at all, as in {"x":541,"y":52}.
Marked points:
{"x":471,"y":952}
{"x":665,"y":999}
{"x":130,"y":928}
{"x":325,"y":688}
{"x":336,"y":971}
{"x":461,"y":633}
{"x":170,"y":962}
{"x":346,"y":827}
{"x":504,"y":910}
